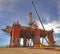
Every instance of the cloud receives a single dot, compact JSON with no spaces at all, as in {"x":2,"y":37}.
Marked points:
{"x":46,"y":17}
{"x":51,"y":20}
{"x":51,"y":25}
{"x":58,"y":8}
{"x":7,"y":5}
{"x":55,"y":24}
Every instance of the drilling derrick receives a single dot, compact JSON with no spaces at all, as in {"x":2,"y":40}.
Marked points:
{"x":15,"y":35}
{"x":30,"y":19}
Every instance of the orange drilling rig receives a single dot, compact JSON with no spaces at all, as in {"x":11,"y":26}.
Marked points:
{"x":32,"y":32}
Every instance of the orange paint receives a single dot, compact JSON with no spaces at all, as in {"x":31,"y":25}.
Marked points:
{"x":15,"y":36}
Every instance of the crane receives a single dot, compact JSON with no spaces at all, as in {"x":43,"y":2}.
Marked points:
{"x":41,"y":23}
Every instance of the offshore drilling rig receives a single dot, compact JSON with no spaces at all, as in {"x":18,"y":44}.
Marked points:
{"x":32,"y":32}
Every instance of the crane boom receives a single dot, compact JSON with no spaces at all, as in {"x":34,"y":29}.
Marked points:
{"x":39,"y":18}
{"x":38,"y":15}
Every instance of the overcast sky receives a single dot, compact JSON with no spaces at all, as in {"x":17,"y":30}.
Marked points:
{"x":49,"y":11}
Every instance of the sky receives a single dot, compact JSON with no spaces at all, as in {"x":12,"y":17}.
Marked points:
{"x":49,"y":11}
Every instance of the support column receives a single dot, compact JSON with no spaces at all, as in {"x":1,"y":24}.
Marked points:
{"x":51,"y":38}
{"x":15,"y":35}
{"x":37,"y":38}
{"x":24,"y":41}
